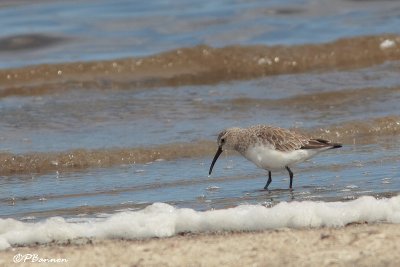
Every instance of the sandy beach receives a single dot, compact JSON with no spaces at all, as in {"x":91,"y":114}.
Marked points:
{"x":354,"y":245}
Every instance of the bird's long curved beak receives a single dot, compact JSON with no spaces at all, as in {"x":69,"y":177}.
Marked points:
{"x":219,"y":151}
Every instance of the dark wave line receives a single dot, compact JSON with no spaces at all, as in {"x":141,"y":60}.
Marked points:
{"x":198,"y":65}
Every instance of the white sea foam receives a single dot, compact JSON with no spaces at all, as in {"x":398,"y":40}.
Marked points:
{"x":387,"y":44}
{"x":163,"y":220}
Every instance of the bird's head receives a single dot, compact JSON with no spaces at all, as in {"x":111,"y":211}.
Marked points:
{"x":227,"y":139}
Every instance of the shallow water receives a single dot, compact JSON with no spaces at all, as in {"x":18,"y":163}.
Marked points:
{"x":111,"y":126}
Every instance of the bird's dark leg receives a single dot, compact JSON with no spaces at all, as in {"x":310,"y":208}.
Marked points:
{"x":291,"y":177}
{"x":269,"y":180}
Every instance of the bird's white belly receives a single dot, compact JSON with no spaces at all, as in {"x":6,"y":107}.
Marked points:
{"x":271,"y":159}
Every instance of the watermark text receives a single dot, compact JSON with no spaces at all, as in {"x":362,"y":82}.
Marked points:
{"x":18,"y":258}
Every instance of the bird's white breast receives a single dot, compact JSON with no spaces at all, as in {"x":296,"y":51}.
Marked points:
{"x":266,"y":157}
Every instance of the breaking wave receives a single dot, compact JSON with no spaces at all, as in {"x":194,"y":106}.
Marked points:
{"x":42,"y":162}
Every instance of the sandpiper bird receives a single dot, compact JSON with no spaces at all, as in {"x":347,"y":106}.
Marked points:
{"x":271,"y":148}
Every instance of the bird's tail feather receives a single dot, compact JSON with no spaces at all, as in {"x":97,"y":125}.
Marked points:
{"x":320,"y":143}
{"x":336,"y":145}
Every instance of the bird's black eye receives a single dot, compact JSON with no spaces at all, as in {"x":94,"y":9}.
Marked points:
{"x":222,"y":140}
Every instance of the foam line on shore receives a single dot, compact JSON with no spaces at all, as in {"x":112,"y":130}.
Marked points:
{"x":163,"y":220}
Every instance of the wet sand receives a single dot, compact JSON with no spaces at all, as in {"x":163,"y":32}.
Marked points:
{"x":353,"y":245}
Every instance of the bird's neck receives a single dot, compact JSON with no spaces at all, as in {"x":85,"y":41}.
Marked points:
{"x":241,"y":141}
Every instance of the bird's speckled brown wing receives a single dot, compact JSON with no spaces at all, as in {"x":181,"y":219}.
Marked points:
{"x":281,"y":139}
